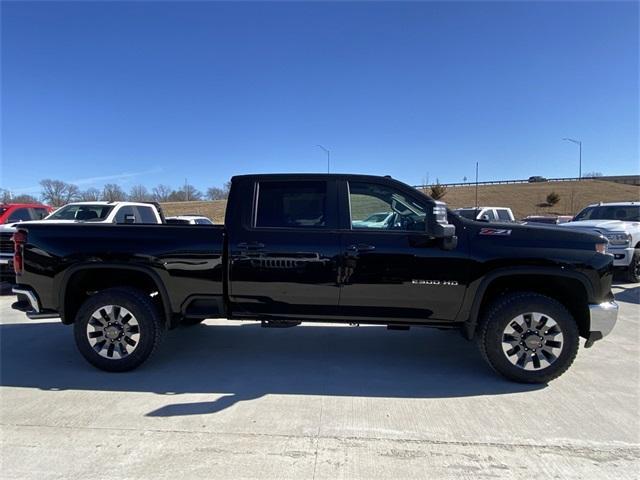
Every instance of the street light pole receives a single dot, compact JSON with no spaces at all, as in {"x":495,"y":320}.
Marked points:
{"x":579,"y":143}
{"x":328,"y":156}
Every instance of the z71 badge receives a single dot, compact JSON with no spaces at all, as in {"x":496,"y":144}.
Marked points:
{"x":494,"y":231}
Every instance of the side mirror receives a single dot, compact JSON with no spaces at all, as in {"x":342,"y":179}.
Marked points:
{"x":129,"y":218}
{"x":438,"y":226}
{"x":484,"y":218}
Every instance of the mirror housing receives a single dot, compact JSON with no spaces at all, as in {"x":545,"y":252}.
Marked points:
{"x":438,"y":226}
{"x":129,"y":218}
{"x":484,"y":218}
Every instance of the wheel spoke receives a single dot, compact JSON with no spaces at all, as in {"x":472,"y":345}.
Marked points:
{"x":528,"y":332}
{"x":536,"y":361}
{"x":113,"y":332}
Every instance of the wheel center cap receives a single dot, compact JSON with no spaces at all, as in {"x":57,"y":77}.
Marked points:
{"x":112,"y":332}
{"x":533,"y":341}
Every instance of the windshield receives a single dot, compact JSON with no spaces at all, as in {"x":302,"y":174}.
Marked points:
{"x":85,"y":213}
{"x":470,"y":214}
{"x":625,"y":213}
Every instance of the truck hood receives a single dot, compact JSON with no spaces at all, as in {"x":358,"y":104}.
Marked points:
{"x":601,"y":226}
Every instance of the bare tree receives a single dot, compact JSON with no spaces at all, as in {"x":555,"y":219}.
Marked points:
{"x":24,"y":198}
{"x":89,"y":195}
{"x":57,"y":192}
{"x":5,"y":195}
{"x":161,"y":193}
{"x":217,"y":193}
{"x":186,"y":193}
{"x":112,"y":192}
{"x":139,"y":193}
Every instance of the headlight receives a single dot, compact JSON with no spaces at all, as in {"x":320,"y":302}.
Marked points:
{"x":619,"y":239}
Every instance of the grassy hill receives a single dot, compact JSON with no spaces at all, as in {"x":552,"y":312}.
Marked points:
{"x":523,"y":198}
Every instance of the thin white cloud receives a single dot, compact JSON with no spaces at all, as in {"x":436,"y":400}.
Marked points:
{"x":124,"y":177}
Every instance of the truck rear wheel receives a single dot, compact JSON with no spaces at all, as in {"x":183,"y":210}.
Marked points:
{"x":118,"y":329}
{"x":528,"y":337}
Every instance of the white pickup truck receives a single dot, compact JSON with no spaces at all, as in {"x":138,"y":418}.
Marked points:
{"x":107,"y":212}
{"x":620,"y":223}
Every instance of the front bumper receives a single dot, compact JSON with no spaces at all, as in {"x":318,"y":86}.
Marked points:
{"x":28,"y":303}
{"x":621,"y":256}
{"x":602,"y":318}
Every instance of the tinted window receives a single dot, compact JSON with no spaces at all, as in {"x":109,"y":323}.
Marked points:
{"x":128,"y":210}
{"x":81,"y":212}
{"x":470,"y":214}
{"x":39,"y":213}
{"x":146,"y":215}
{"x":19,"y":215}
{"x":292,"y":204}
{"x":503,"y":214}
{"x":203,"y":221}
{"x":177,"y":221}
{"x":626,"y":213}
{"x":370,"y":201}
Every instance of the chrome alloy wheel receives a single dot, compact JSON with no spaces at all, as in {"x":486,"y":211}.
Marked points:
{"x":113,"y":332}
{"x":532,"y":341}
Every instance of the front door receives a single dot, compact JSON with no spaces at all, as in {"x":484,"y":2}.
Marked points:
{"x":392,"y":267}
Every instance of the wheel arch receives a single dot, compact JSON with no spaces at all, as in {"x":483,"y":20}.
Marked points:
{"x":105,"y":276}
{"x":570,"y":288}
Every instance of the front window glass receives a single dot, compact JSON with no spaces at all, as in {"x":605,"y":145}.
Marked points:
{"x":625,"y":213}
{"x":39,"y":213}
{"x":380,"y":207}
{"x":86,"y":213}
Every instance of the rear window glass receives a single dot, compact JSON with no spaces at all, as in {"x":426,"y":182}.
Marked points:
{"x":177,"y":221}
{"x":503,"y":215}
{"x":292,"y":204}
{"x":146,"y":215}
{"x":19,"y":215}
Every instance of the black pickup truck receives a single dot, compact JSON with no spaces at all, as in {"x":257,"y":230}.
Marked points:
{"x":330,"y":248}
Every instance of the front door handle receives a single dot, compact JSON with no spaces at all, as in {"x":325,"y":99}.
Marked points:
{"x":361,"y":247}
{"x":251,"y":246}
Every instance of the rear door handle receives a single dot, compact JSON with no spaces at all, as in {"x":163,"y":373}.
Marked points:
{"x":251,"y":246}
{"x":361,"y":247}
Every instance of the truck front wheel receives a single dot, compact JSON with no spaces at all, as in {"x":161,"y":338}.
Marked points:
{"x":117,"y":329}
{"x":633,"y":271}
{"x":528,"y":337}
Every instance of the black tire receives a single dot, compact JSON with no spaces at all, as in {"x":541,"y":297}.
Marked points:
{"x":189,"y":322}
{"x":501,"y":316}
{"x":633,"y":271}
{"x":150,"y":328}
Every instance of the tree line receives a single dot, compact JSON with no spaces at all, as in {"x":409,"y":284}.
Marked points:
{"x":58,"y":192}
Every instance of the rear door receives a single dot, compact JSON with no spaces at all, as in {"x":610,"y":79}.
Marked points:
{"x":284,"y":249}
{"x":397,"y":270}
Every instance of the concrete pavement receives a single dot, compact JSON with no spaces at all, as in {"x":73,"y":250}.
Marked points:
{"x":233,"y":400}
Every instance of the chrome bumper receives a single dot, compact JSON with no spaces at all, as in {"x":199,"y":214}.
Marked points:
{"x":34,"y":311}
{"x":602,"y":318}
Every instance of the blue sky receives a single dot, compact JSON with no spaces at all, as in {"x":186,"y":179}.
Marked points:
{"x":141,"y":92}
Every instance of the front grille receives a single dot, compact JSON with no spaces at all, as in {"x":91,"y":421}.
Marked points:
{"x":6,"y":244}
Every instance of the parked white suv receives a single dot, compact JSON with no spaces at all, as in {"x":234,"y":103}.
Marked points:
{"x":487,"y":214}
{"x":106,"y":212}
{"x":620,"y":223}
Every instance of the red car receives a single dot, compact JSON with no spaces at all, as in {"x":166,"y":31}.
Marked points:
{"x":22,"y":212}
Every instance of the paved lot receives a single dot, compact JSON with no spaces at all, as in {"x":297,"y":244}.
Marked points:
{"x":232,"y":400}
